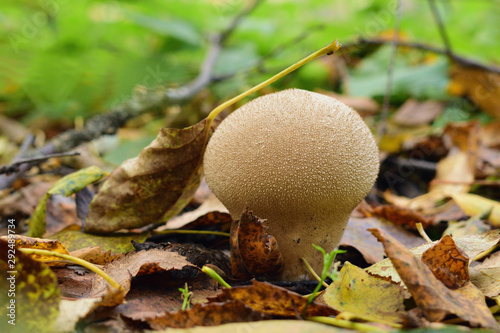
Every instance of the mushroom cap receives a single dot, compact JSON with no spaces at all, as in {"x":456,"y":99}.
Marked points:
{"x":291,"y":157}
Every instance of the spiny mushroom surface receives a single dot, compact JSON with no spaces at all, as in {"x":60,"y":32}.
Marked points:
{"x":299,"y":159}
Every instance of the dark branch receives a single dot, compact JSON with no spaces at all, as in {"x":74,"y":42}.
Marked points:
{"x":466,"y":62}
{"x":149,"y":101}
{"x":14,"y":167}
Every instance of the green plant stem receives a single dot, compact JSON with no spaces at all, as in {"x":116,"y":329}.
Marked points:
{"x":344,"y":324}
{"x":196,"y":232}
{"x":186,"y":296}
{"x":76,"y":260}
{"x":333,"y":47}
{"x":313,"y":273}
{"x":210,"y":272}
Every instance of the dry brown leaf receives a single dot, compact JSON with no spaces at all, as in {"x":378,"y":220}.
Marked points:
{"x":434,"y":299}
{"x":254,"y":253}
{"x":211,"y":314}
{"x":147,"y":301}
{"x":272,"y":300}
{"x":144,"y":263}
{"x":471,"y":244}
{"x":402,"y":216}
{"x":154,"y":186}
{"x":486,"y":275}
{"x":448,"y":263}
{"x":211,"y":212}
{"x":357,"y":236}
{"x":415,"y":113}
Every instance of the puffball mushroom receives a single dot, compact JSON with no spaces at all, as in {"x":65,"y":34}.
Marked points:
{"x":302,"y":161}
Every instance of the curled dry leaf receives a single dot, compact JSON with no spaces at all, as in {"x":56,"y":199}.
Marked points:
{"x":433,"y":298}
{"x":402,"y":216}
{"x":448,"y":263}
{"x":272,"y":300}
{"x":211,"y":212}
{"x":154,"y":186}
{"x":471,"y":244}
{"x":254,"y":253}
{"x":206,"y":315}
{"x":66,"y":186}
{"x":143,"y":263}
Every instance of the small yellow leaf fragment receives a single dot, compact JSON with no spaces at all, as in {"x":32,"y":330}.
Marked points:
{"x":473,"y":204}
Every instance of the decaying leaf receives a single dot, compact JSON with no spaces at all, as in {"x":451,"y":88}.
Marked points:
{"x":358,"y":292}
{"x":95,"y":255}
{"x":474,"y":225}
{"x":358,"y":236}
{"x":41,"y":244}
{"x":486,"y":275}
{"x":144,"y":263}
{"x":433,"y":298}
{"x":73,"y":239}
{"x":154,"y":186}
{"x":210,"y":212}
{"x":472,"y":245}
{"x":147,"y":301}
{"x":206,"y":315}
{"x":254,"y":253}
{"x":272,"y":300}
{"x":402,"y":216}
{"x":29,"y":297}
{"x":448,"y":263}
{"x":66,"y":186}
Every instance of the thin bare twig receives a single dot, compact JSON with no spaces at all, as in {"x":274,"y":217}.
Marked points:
{"x":466,"y":62}
{"x":441,"y":28}
{"x":150,"y":101}
{"x":14,"y":167}
{"x":390,"y":70}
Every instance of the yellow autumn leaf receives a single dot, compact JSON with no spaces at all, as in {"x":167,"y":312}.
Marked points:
{"x":473,"y":204}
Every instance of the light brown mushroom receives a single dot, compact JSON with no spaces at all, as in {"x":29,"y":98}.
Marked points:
{"x":299,"y":159}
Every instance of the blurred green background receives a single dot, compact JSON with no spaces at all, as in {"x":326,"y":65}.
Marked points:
{"x":60,"y":59}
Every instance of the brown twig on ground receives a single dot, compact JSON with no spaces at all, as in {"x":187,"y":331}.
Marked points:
{"x":14,"y":167}
{"x":148,"y":101}
{"x":390,"y":69}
